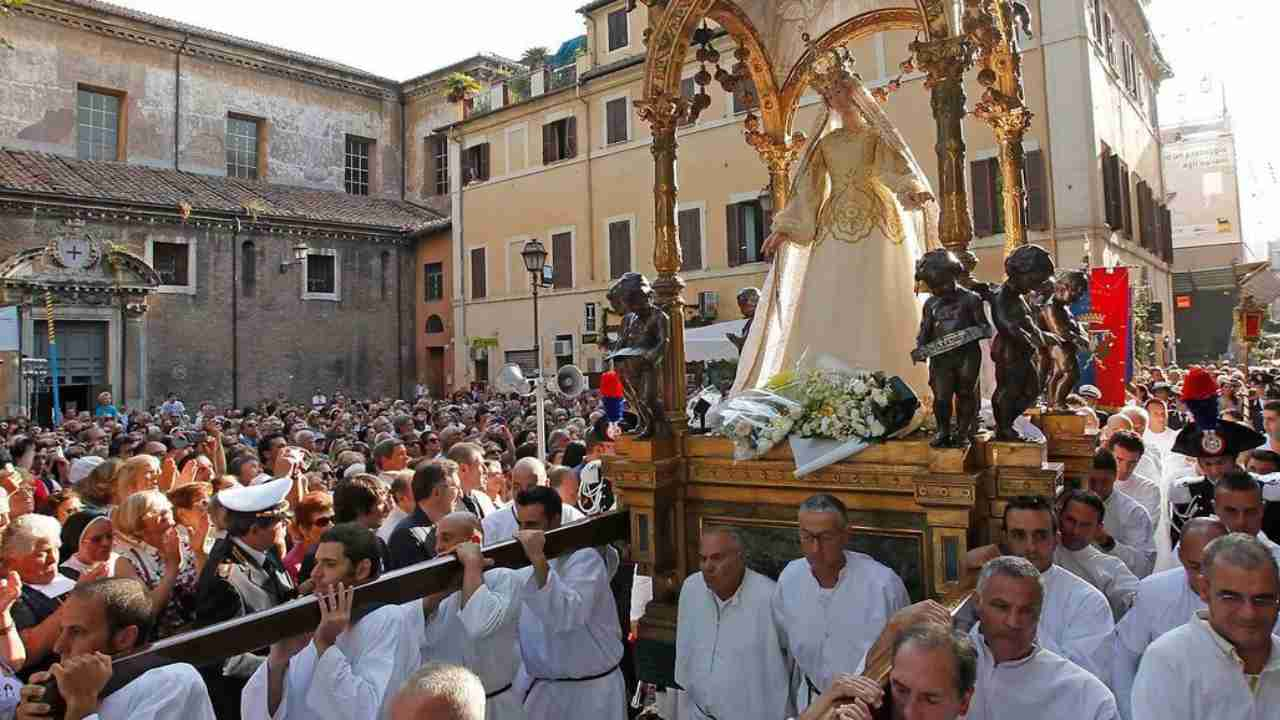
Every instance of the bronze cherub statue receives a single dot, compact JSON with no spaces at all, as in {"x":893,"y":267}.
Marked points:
{"x":1060,"y":359}
{"x":1018,"y":338}
{"x":954,"y":321}
{"x":645,"y":331}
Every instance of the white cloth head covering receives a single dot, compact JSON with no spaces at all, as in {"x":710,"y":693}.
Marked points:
{"x":81,"y":467}
{"x":354,"y":470}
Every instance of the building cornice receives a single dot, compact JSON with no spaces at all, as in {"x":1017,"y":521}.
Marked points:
{"x":94,"y":210}
{"x":143,"y":29}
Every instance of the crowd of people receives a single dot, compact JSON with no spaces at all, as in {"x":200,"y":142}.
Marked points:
{"x":1149,"y":589}
{"x":120,"y":528}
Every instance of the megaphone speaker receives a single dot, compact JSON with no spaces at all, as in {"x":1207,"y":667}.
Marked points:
{"x":512,"y":380}
{"x":570,"y":381}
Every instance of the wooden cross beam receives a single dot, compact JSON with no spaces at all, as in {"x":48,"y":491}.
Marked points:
{"x":256,"y":631}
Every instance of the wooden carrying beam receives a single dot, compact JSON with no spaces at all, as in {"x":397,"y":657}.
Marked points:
{"x":256,"y":631}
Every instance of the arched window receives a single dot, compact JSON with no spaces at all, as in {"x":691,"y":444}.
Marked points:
{"x":248,"y":268}
{"x":385,"y":271}
{"x":434,"y":325}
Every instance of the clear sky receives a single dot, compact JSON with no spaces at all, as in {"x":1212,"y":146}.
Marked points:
{"x":397,"y":39}
{"x":1229,"y":40}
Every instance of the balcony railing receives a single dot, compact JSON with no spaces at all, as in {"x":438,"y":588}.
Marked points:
{"x":562,"y":77}
{"x":518,"y":88}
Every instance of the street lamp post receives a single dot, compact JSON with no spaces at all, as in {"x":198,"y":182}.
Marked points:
{"x":535,"y":258}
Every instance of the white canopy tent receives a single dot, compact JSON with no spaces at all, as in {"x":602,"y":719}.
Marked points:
{"x":708,"y":343}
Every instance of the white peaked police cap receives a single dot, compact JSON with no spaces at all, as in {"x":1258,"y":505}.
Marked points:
{"x":258,"y":499}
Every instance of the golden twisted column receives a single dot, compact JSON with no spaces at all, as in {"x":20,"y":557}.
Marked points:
{"x":664,"y":113}
{"x":1002,"y":107}
{"x":778,"y":155}
{"x":945,"y":61}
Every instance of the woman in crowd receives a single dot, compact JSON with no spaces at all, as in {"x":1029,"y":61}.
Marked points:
{"x":64,"y":504}
{"x":191,"y":511}
{"x":97,"y":489}
{"x":87,"y":539}
{"x":29,"y":548}
{"x":313,"y":516}
{"x":137,"y":474}
{"x":153,"y":549}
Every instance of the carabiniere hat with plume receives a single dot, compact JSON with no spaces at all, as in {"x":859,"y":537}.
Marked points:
{"x":1209,"y":435}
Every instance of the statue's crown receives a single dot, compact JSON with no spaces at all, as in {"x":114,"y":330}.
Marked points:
{"x":830,"y":67}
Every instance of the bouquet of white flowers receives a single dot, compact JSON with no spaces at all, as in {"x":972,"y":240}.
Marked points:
{"x":755,"y":420}
{"x":844,"y":409}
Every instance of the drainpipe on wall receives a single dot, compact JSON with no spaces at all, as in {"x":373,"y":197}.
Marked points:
{"x":400,"y":312}
{"x":177,"y":98}
{"x":404,"y":150}
{"x":459,"y":230}
{"x":1048,"y":146}
{"x":591,"y":220}
{"x":235,"y":315}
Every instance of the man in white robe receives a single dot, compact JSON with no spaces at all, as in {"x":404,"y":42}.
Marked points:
{"x":476,"y":627}
{"x":1150,"y":465}
{"x":1225,"y":663}
{"x":352,"y":665}
{"x":1080,"y":522}
{"x":1016,"y":677}
{"x":503,"y":524}
{"x":570,"y":637}
{"x":730,"y":660}
{"x":1165,"y":601}
{"x":99,"y":619}
{"x":1127,"y":449}
{"x":831,"y":605}
{"x":1075,"y":619}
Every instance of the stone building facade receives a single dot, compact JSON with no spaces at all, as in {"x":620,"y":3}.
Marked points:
{"x":211,"y":160}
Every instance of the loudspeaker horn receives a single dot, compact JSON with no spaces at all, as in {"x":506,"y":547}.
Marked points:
{"x":570,"y":381}
{"x":511,"y":379}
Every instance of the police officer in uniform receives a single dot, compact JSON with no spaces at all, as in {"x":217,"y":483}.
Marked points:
{"x":244,"y":574}
{"x":1215,"y":443}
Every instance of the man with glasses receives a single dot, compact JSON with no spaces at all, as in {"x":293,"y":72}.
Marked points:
{"x":436,"y":488}
{"x":832,"y":604}
{"x":1225,"y":662}
{"x":243,"y":575}
{"x":431,"y":445}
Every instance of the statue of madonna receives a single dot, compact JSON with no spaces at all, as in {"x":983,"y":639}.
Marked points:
{"x":845,"y":246}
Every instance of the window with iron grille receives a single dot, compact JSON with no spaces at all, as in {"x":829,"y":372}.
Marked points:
{"x":242,"y":148}
{"x":170,"y":263}
{"x":97,"y":126}
{"x":434,"y":281}
{"x":322,"y":275}
{"x":438,"y":154}
{"x":358,"y":153}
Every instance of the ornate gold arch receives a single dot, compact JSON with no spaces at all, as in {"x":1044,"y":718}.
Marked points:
{"x":669,"y":49}
{"x":855,"y":28}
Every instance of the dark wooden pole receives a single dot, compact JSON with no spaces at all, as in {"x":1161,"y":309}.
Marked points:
{"x":256,"y":631}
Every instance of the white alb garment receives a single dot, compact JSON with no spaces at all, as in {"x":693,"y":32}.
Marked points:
{"x":172,"y":692}
{"x":1146,"y":491}
{"x":1106,"y":572}
{"x":1129,"y":524}
{"x":481,"y":637}
{"x":388,"y":526}
{"x":1075,"y":620}
{"x":568,"y":632}
{"x":355,"y":679}
{"x":729,"y":656}
{"x":827,"y":631}
{"x":1161,"y":441}
{"x":1165,"y":601}
{"x":1041,"y":686}
{"x":1150,"y":464}
{"x":1193,"y":673}
{"x":502,"y":525}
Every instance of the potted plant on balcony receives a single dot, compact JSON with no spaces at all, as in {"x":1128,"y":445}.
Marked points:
{"x":461,"y":86}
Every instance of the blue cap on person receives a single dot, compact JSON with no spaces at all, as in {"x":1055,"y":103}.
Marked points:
{"x":266,"y":499}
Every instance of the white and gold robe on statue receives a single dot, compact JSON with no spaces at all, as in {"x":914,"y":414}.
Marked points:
{"x":845,"y":284}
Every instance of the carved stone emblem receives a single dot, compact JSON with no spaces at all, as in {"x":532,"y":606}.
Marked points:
{"x":75,"y":252}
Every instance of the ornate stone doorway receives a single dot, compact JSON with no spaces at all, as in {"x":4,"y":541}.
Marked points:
{"x":96,"y":296}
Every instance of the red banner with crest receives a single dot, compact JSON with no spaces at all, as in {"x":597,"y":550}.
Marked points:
{"x":1109,"y":326}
